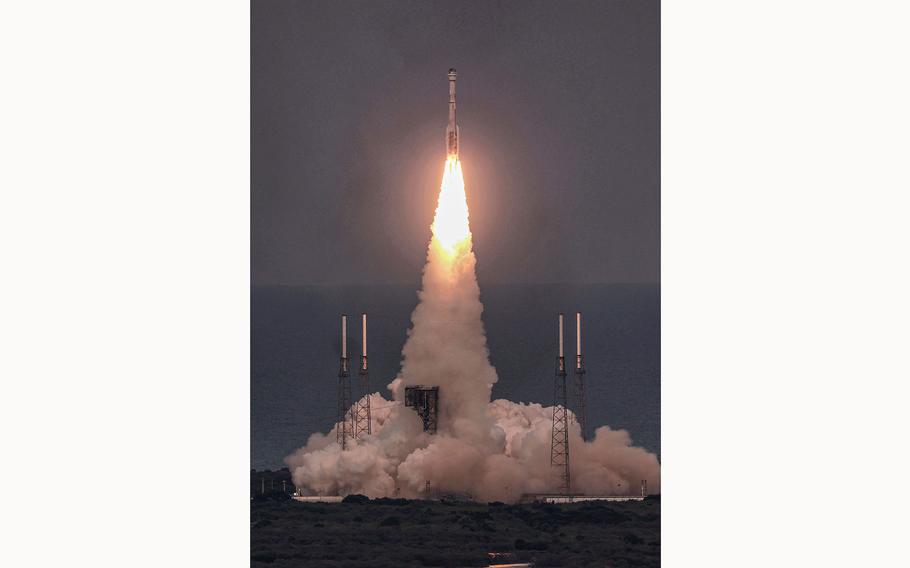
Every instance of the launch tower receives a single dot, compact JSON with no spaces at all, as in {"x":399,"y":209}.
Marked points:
{"x":559,"y":439}
{"x":425,"y":400}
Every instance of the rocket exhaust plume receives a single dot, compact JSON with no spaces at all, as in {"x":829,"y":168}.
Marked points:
{"x":495,"y":450}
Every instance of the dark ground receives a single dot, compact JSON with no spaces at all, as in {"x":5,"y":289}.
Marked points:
{"x":398,"y":533}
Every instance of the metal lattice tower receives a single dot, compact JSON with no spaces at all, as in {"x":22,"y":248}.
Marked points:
{"x":345,"y":427}
{"x":363,"y":419}
{"x":559,"y":438}
{"x":579,"y":403}
{"x":425,"y":401}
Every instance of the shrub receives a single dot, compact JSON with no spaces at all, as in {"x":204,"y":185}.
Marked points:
{"x":390,"y":522}
{"x":356,"y":498}
{"x":430,"y":559}
{"x":550,"y":560}
{"x":271,"y":496}
{"x":522,"y":544}
{"x":263,"y":556}
{"x":389,"y":501}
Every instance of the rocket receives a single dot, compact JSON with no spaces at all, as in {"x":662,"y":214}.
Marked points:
{"x":452,"y":128}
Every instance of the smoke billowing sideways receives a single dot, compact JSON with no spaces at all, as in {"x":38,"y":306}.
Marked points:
{"x":492,"y":450}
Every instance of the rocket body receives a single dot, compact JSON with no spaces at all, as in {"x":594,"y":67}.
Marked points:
{"x":452,"y":128}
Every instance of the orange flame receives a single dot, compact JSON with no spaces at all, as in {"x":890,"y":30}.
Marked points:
{"x":450,"y":225}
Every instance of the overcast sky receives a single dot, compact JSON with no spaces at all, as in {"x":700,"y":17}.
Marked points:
{"x":559,"y":109}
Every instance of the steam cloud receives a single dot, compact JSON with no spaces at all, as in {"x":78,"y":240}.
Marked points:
{"x":493,"y":451}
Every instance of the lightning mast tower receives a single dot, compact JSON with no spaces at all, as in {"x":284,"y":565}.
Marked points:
{"x":362,"y":416}
{"x":559,"y":438}
{"x":579,"y":404}
{"x":345,"y":427}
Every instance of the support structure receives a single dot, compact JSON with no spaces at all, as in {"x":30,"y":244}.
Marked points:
{"x":579,"y":402}
{"x":559,"y":438}
{"x":425,"y":400}
{"x":363,"y":420}
{"x":345,"y":427}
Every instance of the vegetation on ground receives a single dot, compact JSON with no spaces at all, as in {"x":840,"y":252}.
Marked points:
{"x":398,"y":533}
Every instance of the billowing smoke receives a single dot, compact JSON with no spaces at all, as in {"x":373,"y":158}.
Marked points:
{"x":492,"y":451}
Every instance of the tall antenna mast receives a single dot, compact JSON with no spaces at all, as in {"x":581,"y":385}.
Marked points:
{"x":362,"y":415}
{"x":345,"y":426}
{"x":579,"y":403}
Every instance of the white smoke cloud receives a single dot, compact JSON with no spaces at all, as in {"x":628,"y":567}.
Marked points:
{"x":493,"y":451}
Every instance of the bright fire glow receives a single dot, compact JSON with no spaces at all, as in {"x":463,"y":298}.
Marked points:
{"x":450,"y":226}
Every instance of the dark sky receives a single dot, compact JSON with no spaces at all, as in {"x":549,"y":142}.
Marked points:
{"x":559,"y":109}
